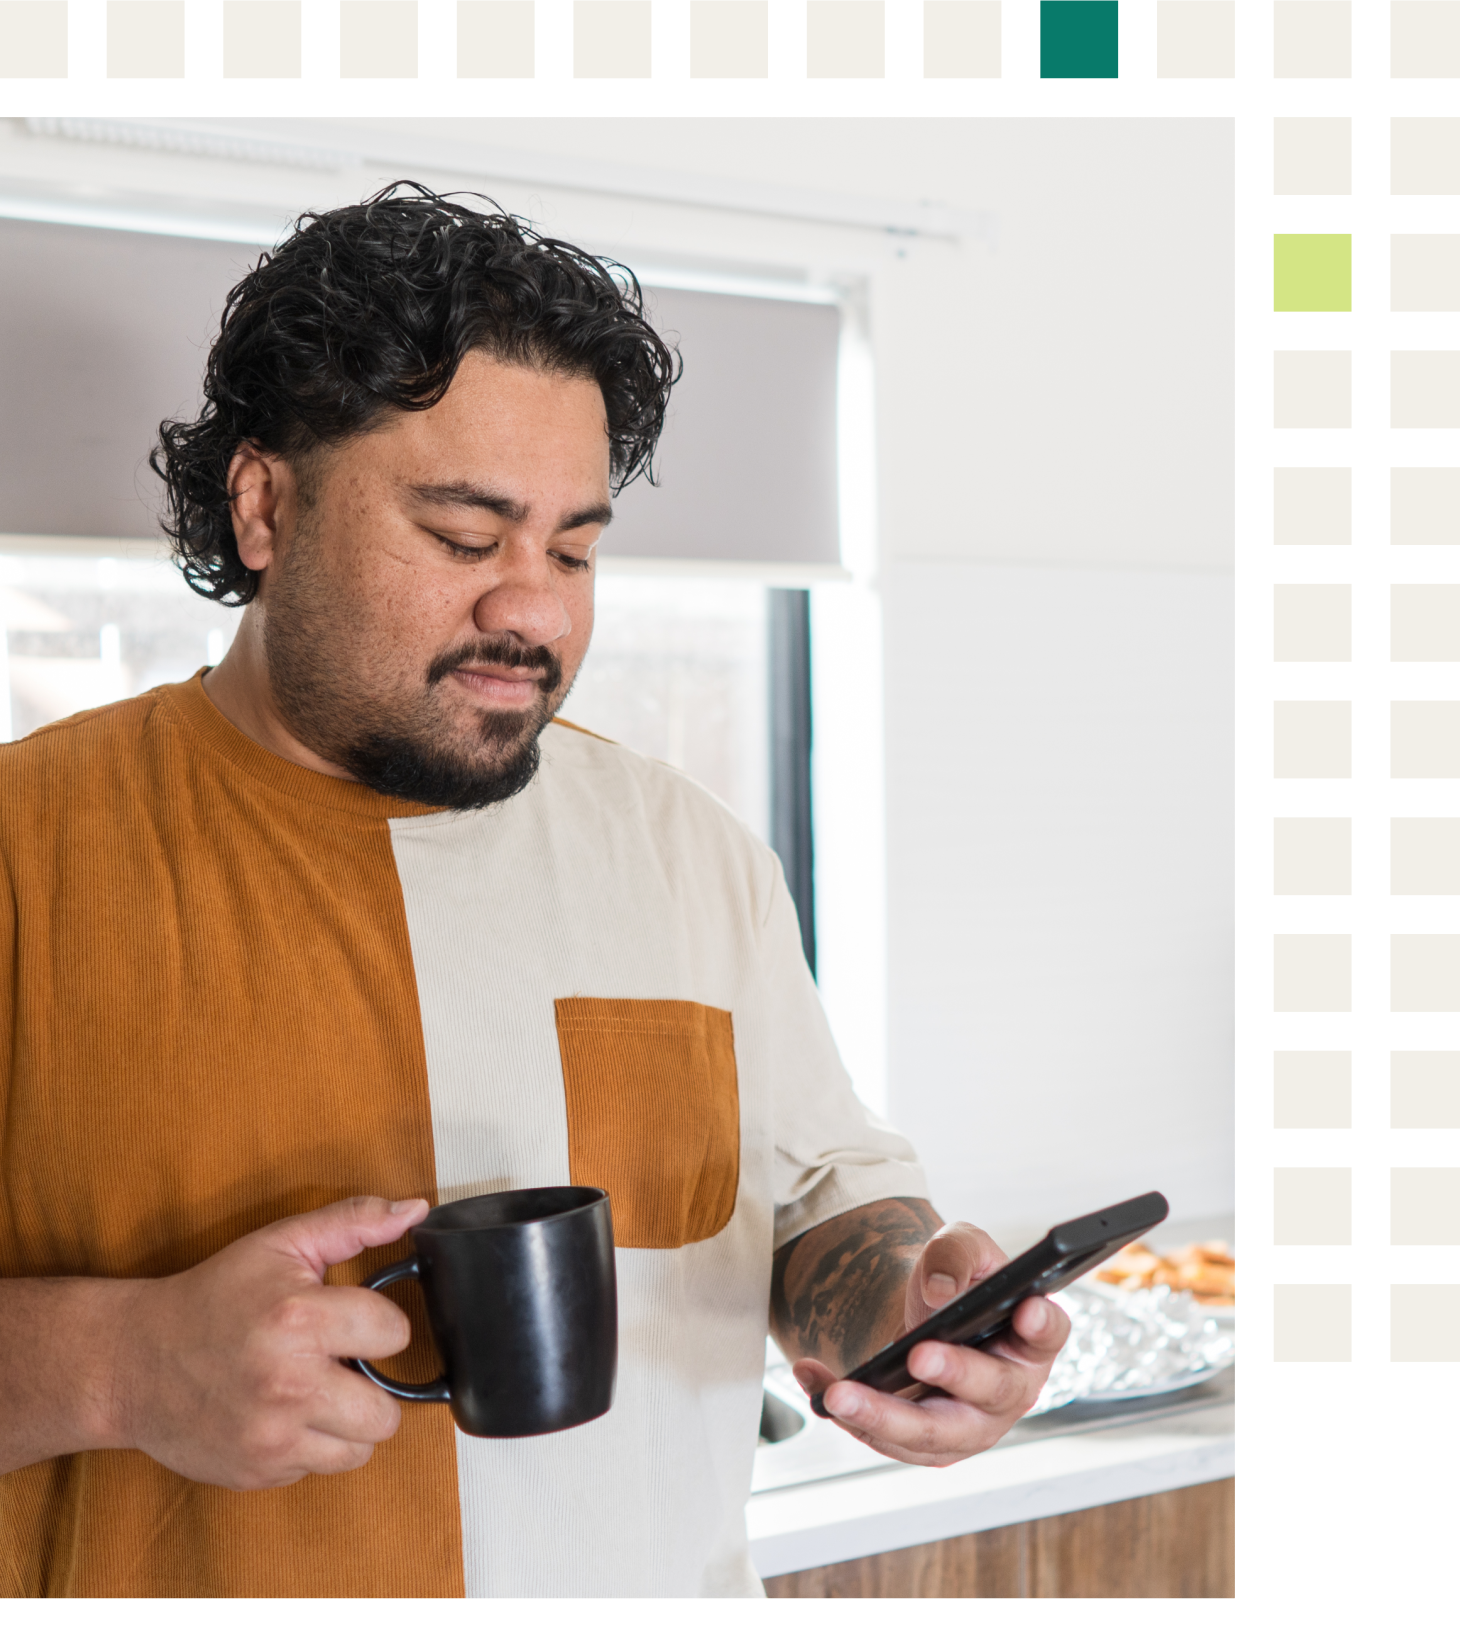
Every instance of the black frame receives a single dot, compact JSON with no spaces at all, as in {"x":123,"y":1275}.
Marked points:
{"x":788,"y":618}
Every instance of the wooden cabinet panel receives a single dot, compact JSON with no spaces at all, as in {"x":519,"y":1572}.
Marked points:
{"x":1168,"y":1544}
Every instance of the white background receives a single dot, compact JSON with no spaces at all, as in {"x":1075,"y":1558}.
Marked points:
{"x":1313,"y":40}
{"x":1424,"y":151}
{"x":146,"y":40}
{"x":1424,"y":273}
{"x":1424,"y":40}
{"x":1313,"y":506}
{"x":378,"y":40}
{"x":612,"y":40}
{"x":1424,"y":621}
{"x":1313,"y":740}
{"x":1313,"y":1206}
{"x":1313,"y":855}
{"x":1313,"y":1323}
{"x":1313,"y":621}
{"x":1424,"y":1206}
{"x":1424,"y":388}
{"x":1196,"y":40}
{"x":496,"y":40}
{"x":1424,"y":1088}
{"x":1424,"y":740}
{"x":1313,"y":973}
{"x":1313,"y":153}
{"x":1313,"y":386}
{"x":1424,"y":855}
{"x":962,"y":40}
{"x":263,"y":40}
{"x":844,"y":40}
{"x":1313,"y":1087}
{"x":729,"y":40}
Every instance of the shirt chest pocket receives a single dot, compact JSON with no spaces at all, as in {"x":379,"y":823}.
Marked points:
{"x":653,"y":1114}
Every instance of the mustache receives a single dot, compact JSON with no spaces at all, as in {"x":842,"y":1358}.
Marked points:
{"x":500,"y":651}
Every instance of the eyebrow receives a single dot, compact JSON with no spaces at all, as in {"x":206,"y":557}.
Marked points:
{"x":469,"y":495}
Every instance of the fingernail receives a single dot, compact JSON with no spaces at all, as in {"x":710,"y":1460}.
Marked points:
{"x":802,"y":1378}
{"x":940,"y":1286}
{"x":933,"y":1360}
{"x":846,"y":1404}
{"x":400,"y":1207}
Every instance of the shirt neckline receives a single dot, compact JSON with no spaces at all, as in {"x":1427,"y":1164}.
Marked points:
{"x":190,"y":702}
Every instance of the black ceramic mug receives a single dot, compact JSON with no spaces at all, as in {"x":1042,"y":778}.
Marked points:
{"x":520,"y":1292}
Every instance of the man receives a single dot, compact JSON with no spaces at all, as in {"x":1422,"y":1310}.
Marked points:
{"x":351,"y":923}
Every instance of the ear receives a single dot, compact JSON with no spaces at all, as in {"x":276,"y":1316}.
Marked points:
{"x":255,"y":482}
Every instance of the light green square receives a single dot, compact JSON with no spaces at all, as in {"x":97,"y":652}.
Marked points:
{"x":1312,"y":273}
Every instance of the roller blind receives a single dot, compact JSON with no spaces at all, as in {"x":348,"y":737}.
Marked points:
{"x":747,"y":462}
{"x":103,"y":333}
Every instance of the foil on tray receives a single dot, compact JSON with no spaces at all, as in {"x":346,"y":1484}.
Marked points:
{"x":1129,"y":1341}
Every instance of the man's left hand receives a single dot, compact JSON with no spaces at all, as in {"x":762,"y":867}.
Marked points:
{"x":985,"y":1390}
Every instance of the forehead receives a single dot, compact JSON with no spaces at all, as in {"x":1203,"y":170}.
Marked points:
{"x":513,"y":410}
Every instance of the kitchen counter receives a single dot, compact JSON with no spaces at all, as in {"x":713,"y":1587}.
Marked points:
{"x":809,"y":1508}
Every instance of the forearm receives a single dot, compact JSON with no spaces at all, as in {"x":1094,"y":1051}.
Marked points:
{"x":838,"y":1291}
{"x":57,"y":1338}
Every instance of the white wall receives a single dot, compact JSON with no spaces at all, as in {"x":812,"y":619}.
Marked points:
{"x":1050,"y":546}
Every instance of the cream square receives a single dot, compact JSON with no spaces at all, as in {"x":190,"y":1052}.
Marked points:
{"x":1424,"y":389}
{"x":1312,"y":1322}
{"x":1196,"y":39}
{"x":1424,"y":973}
{"x":1311,"y":623}
{"x":1424,"y":740}
{"x":1310,"y":740}
{"x":1424,"y":156}
{"x":844,"y":40}
{"x":144,"y":39}
{"x":1424,"y":856}
{"x":1424,"y":1088}
{"x":1311,"y":1207}
{"x":33,"y":40}
{"x":1424,"y":39}
{"x":1424,"y":623}
{"x":1424,"y":506}
{"x":1311,"y":506}
{"x":1311,"y":973}
{"x":612,"y":39}
{"x":728,"y":40}
{"x":1310,"y":39}
{"x":1311,"y":856}
{"x":1312,"y":1088}
{"x":1424,"y":1322}
{"x":261,"y":39}
{"x":1424,"y":273}
{"x":377,"y":39}
{"x":1311,"y":156}
{"x":962,"y":40}
{"x":1312,"y":389}
{"x":1424,"y":1207}
{"x":495,"y":40}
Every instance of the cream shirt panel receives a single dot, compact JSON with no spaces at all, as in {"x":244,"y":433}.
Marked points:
{"x":614,"y":876}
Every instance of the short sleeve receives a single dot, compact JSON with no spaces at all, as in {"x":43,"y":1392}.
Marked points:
{"x":831,"y":1153}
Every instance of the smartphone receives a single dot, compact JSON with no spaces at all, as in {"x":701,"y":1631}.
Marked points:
{"x":984,"y":1311}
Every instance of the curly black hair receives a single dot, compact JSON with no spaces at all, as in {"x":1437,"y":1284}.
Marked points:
{"x":368,"y":310}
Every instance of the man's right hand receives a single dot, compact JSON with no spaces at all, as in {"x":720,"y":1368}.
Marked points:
{"x":230,"y":1372}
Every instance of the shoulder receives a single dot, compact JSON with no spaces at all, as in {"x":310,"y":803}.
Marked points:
{"x":85,"y":742}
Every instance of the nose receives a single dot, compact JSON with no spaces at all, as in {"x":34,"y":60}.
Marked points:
{"x":524,"y":603}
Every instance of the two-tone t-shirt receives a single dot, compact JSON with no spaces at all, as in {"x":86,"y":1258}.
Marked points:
{"x":233,"y":989}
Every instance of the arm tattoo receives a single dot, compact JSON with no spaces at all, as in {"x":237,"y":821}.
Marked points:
{"x":837,"y":1290}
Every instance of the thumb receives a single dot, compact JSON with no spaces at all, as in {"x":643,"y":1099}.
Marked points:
{"x":953,"y":1259}
{"x":331,"y":1235}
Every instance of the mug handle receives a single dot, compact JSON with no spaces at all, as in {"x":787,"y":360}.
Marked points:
{"x":437,"y":1390}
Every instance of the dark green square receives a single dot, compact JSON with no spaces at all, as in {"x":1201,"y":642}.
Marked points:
{"x":1079,"y":39}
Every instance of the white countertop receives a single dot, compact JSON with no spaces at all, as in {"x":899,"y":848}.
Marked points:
{"x":839,"y":1518}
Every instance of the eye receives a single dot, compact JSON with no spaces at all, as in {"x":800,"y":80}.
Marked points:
{"x":468,"y":555}
{"x":571,"y":561}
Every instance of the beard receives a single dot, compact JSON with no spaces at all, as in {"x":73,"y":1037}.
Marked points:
{"x":402,"y":747}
